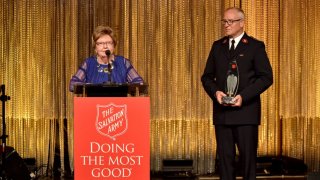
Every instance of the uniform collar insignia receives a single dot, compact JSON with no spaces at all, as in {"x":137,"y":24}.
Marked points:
{"x":244,"y":40}
{"x":225,"y":41}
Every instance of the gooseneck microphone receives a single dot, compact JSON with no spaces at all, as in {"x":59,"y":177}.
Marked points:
{"x":110,"y":66}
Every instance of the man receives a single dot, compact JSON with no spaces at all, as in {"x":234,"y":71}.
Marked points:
{"x":236,"y":124}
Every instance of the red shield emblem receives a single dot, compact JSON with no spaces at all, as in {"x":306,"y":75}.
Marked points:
{"x":112,"y":120}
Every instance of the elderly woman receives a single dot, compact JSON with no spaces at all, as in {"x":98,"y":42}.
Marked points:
{"x":105,"y":66}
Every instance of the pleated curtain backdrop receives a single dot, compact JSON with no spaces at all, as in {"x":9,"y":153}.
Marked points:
{"x":43,"y":43}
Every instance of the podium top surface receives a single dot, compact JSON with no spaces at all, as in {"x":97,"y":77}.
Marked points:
{"x":111,"y":89}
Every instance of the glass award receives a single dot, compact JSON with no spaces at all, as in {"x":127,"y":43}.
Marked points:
{"x":232,"y":83}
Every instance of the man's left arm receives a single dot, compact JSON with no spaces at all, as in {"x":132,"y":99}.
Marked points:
{"x":263,"y":74}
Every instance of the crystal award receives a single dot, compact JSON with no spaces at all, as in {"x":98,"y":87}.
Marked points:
{"x":232,"y":83}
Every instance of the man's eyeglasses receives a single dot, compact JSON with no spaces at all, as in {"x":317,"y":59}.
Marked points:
{"x":229,"y":21}
{"x":104,"y":43}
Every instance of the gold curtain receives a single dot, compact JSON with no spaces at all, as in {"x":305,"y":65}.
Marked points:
{"x":299,"y":83}
{"x":38,"y":52}
{"x":43,"y":42}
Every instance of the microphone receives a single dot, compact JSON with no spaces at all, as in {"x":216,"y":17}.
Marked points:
{"x":108,"y":52}
{"x":110,"y":66}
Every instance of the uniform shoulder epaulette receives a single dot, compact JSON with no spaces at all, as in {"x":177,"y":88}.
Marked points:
{"x":253,"y":38}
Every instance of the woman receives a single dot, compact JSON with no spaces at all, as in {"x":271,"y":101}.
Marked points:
{"x":105,"y":66}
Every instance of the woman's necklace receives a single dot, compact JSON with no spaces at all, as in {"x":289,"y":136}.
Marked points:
{"x":107,"y":69}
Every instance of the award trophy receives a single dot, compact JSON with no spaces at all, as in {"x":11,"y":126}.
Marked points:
{"x":232,"y":83}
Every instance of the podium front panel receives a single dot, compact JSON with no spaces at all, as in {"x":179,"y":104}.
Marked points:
{"x":111,"y":138}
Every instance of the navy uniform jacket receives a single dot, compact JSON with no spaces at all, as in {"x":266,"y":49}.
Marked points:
{"x":255,"y":76}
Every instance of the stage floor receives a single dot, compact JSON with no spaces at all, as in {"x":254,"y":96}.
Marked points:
{"x":213,"y":178}
{"x":261,"y":177}
{"x":197,"y":178}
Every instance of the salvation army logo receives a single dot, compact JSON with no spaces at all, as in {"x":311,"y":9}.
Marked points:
{"x":112,"y":120}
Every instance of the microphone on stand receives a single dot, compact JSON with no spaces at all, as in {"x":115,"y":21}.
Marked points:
{"x":110,"y":66}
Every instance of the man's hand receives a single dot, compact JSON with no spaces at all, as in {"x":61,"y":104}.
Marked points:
{"x":219,"y":95}
{"x":237,"y":100}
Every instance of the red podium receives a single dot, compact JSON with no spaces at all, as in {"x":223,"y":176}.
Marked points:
{"x":111,"y":138}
